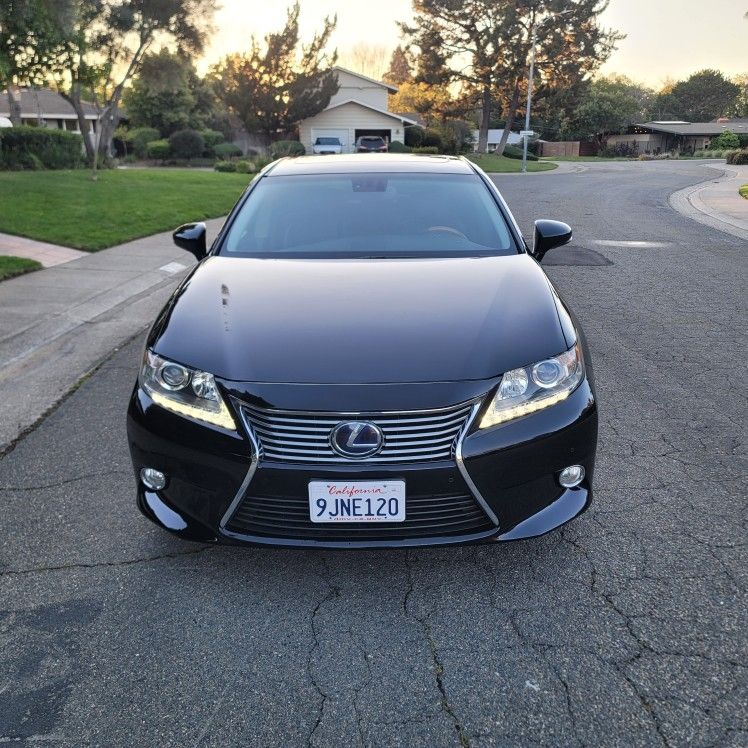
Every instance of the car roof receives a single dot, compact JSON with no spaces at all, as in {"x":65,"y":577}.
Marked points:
{"x":366,"y":163}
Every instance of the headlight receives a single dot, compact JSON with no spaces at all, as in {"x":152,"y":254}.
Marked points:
{"x":184,"y":391}
{"x":531,"y":388}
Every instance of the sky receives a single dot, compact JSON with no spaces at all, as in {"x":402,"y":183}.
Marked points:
{"x":665,"y":38}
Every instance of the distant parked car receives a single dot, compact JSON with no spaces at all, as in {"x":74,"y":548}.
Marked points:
{"x":327,"y":145}
{"x":5,"y":122}
{"x":370,"y":144}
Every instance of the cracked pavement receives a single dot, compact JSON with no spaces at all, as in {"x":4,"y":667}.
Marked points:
{"x":627,"y":627}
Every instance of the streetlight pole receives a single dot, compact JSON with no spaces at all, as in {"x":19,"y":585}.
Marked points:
{"x":530,"y":76}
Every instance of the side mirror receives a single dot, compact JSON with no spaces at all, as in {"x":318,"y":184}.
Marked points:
{"x":191,"y":237}
{"x":549,"y":234}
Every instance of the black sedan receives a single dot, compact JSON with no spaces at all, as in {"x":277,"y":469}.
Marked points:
{"x":367,"y":355}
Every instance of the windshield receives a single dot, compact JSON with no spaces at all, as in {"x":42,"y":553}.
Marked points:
{"x":369,"y":215}
{"x":327,"y":141}
{"x":372,"y":141}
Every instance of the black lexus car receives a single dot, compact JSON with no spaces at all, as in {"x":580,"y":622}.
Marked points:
{"x":367,"y":355}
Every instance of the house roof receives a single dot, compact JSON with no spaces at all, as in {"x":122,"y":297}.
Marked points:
{"x":696,"y":128}
{"x":45,"y":102}
{"x":398,"y":117}
{"x":388,"y":86}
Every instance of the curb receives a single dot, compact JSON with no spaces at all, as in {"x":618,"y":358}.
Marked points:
{"x":688,"y":203}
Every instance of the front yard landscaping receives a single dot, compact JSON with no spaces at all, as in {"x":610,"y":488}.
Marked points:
{"x":12,"y":266}
{"x":501,"y":164}
{"x":68,"y":208}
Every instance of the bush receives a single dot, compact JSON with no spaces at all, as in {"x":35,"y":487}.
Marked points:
{"x":159,"y":150}
{"x":187,"y":144}
{"x":724,"y":141}
{"x":432,"y":138}
{"x":244,"y":167}
{"x":737,"y":158}
{"x":138,"y":139}
{"x":432,"y":149}
{"x":225,"y":166}
{"x":397,"y":147}
{"x":226,"y":151}
{"x":212,"y":138}
{"x":39,"y":148}
{"x":414,"y":136}
{"x":282,"y":148}
{"x":513,"y":151}
{"x":261,"y":162}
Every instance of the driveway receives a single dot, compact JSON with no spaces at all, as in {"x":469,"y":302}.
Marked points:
{"x":628,"y":627}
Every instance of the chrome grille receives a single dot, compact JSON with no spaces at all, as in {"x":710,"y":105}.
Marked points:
{"x":302,"y":437}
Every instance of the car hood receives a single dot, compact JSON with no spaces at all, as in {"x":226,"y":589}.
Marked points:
{"x":361,"y":321}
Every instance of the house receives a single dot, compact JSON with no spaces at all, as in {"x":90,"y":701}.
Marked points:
{"x":675,"y":135}
{"x":494,"y":138}
{"x":42,"y":107}
{"x":360,"y":107}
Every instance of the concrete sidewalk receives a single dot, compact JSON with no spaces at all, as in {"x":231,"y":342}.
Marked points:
{"x":48,"y":255}
{"x":716,"y":202}
{"x":57,"y":324}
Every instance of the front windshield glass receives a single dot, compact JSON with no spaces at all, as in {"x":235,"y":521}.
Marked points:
{"x":369,"y":215}
{"x":327,"y":141}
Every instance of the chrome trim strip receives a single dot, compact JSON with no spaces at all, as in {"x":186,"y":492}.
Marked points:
{"x":461,"y":467}
{"x":346,"y":413}
{"x":250,"y":473}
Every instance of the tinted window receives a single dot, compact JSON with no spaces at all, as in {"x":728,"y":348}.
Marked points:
{"x":354,"y":215}
{"x":327,"y":141}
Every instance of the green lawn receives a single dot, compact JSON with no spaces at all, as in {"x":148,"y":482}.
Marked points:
{"x":586,"y":158}
{"x":502,"y":164}
{"x":744,"y":191}
{"x":12,"y":266}
{"x":67,"y":208}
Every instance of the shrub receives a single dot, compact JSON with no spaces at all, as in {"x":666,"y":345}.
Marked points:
{"x":725,"y":140}
{"x":187,"y":144}
{"x":159,"y":150}
{"x":39,"y":148}
{"x":513,"y":151}
{"x":225,"y":166}
{"x":138,"y":139}
{"x":397,"y":147}
{"x":261,"y":162}
{"x":282,"y":148}
{"x":212,"y":138}
{"x":432,"y":149}
{"x":432,"y":138}
{"x":414,"y":136}
{"x":244,"y":167}
{"x":737,"y":158}
{"x":226,"y":151}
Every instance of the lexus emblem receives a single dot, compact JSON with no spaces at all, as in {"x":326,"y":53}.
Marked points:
{"x":356,"y":439}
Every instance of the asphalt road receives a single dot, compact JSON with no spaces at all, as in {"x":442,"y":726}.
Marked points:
{"x":628,"y":627}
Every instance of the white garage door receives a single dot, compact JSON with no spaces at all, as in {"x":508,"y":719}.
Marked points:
{"x":327,"y":132}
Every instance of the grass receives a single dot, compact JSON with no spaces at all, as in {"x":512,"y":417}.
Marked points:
{"x":67,"y":208}
{"x":587,"y":158}
{"x":744,"y":191}
{"x":501,"y":164}
{"x":12,"y":266}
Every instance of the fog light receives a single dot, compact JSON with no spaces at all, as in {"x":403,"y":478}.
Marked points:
{"x":571,"y":476}
{"x":153,"y":479}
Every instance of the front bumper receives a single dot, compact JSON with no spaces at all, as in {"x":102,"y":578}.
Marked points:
{"x":505,"y":488}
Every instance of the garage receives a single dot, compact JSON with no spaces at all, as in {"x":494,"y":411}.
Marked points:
{"x":327,"y":132}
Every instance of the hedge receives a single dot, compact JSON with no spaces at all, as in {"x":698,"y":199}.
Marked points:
{"x":397,"y":147}
{"x":512,"y":151}
{"x":227,"y":150}
{"x":737,"y":158}
{"x":39,"y":148}
{"x":430,"y":149}
{"x":159,"y":150}
{"x":187,"y":144}
{"x":139,"y":138}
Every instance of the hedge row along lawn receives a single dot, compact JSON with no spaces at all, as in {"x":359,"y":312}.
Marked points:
{"x":744,"y":191}
{"x":12,"y":266}
{"x":68,"y":208}
{"x":501,"y":164}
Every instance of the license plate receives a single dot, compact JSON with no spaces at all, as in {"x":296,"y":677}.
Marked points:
{"x":357,"y":501}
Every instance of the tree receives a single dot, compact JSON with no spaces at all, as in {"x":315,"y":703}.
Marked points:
{"x":107,"y":41}
{"x":31,"y":39}
{"x":609,"y":105}
{"x":741,"y":100}
{"x":399,"y":70}
{"x":431,"y":102}
{"x":704,"y":96}
{"x":168,"y":94}
{"x":485,"y":45}
{"x":271,"y":89}
{"x":367,"y":59}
